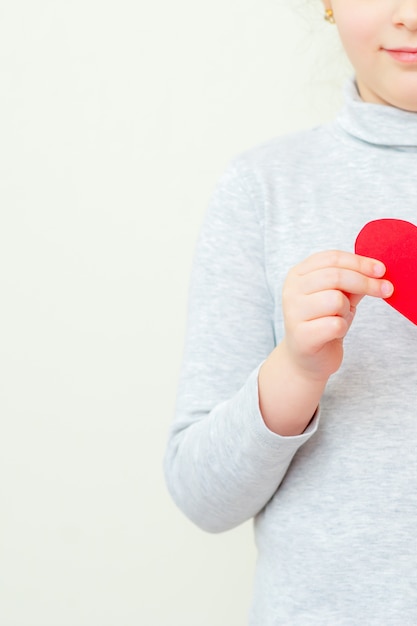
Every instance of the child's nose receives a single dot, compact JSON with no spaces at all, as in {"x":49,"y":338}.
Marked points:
{"x":405,"y":14}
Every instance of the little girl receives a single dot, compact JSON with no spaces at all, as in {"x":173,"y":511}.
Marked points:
{"x":297,"y":405}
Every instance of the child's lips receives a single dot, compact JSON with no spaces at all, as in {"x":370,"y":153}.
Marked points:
{"x":404,"y":55}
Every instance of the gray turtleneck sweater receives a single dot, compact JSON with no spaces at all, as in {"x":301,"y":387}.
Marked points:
{"x":335,"y":508}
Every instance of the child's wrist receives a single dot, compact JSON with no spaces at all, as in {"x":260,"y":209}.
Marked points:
{"x":288,"y":396}
{"x":303,"y":367}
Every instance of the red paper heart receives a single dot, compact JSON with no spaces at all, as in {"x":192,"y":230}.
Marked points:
{"x":394,"y":242}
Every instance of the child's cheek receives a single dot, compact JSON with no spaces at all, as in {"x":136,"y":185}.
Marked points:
{"x":358,"y":34}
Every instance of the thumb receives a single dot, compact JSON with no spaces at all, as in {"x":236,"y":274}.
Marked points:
{"x":354,"y":299}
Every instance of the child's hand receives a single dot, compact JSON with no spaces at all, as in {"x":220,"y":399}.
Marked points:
{"x":320,"y":296}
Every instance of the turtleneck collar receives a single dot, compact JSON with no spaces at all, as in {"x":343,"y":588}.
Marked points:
{"x":377,"y":124}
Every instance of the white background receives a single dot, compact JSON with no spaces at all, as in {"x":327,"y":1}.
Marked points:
{"x":117,"y":117}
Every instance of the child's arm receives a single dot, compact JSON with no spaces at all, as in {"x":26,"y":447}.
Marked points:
{"x":223,"y":463}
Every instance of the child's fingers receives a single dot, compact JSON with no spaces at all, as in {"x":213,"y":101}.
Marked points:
{"x":342,"y":260}
{"x":347,"y":280}
{"x":324,"y":304}
{"x":313,"y":335}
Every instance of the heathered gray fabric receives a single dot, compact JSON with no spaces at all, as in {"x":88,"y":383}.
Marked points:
{"x":335,"y":508}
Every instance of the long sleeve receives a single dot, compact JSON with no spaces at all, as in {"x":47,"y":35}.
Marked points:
{"x":222,"y":464}
{"x":335,"y":513}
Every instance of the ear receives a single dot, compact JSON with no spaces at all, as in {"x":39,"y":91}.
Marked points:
{"x":327,"y":4}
